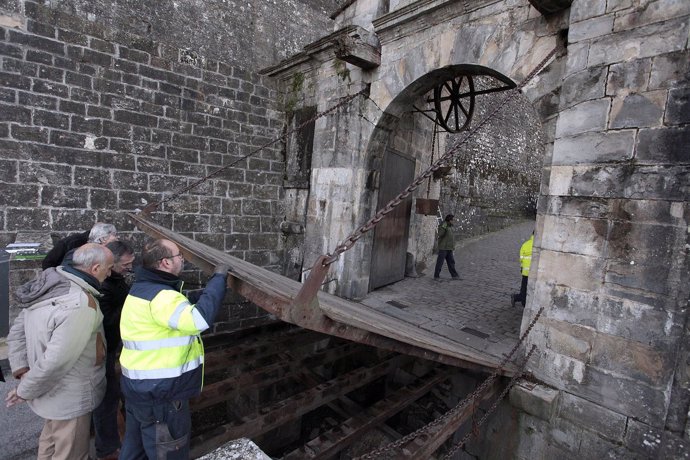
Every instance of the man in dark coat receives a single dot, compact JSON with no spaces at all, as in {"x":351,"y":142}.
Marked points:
{"x":100,"y":233}
{"x":114,"y":290}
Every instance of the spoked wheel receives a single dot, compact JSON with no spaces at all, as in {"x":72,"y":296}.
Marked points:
{"x":453,"y":102}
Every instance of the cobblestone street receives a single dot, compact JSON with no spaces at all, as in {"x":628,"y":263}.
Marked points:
{"x":474,"y":311}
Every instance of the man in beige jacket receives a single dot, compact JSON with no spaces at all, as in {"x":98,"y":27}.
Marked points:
{"x":57,"y":351}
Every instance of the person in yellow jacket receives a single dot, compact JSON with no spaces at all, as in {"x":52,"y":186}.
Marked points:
{"x":162,"y":354}
{"x":525,"y":262}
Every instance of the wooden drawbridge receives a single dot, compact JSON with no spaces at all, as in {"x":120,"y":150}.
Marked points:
{"x":305,"y":305}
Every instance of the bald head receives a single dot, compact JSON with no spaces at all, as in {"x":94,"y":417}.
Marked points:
{"x":93,"y":259}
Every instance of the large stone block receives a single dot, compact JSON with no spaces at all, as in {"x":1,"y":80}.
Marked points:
{"x":643,"y":439}
{"x":663,"y":145}
{"x":590,"y":28}
{"x":642,"y":42}
{"x":678,"y":110}
{"x":652,"y":12}
{"x":583,"y":86}
{"x":538,"y":400}
{"x":577,"y":271}
{"x":602,"y":147}
{"x":592,"y":417}
{"x":584,"y":117}
{"x":586,"y":9}
{"x":670,"y":70}
{"x":573,"y":235}
{"x":638,"y":110}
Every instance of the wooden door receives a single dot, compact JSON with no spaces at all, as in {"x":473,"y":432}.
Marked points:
{"x":390,"y":235}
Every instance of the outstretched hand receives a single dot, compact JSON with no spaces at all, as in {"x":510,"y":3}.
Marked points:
{"x":13,"y":398}
{"x":222,"y":269}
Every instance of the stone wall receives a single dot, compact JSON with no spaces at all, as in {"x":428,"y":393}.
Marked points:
{"x":95,"y":123}
{"x":612,"y":269}
{"x":250,"y":34}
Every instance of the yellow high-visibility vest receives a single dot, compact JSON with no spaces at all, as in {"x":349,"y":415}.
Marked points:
{"x":526,"y":255}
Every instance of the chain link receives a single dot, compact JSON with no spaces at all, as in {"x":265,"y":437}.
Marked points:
{"x":283,"y":136}
{"x":374,"y":454}
{"x":493,"y":407}
{"x":348,"y":242}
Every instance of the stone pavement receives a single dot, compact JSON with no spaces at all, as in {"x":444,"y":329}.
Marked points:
{"x":474,"y":311}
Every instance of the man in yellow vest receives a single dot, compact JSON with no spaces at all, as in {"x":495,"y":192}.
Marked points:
{"x":162,"y":354}
{"x":525,"y":261}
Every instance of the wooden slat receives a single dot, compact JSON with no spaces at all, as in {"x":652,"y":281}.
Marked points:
{"x":328,"y":314}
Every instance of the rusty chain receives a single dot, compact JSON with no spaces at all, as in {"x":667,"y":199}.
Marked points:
{"x":180,"y":191}
{"x":470,"y":399}
{"x":493,"y":407}
{"x":348,"y":242}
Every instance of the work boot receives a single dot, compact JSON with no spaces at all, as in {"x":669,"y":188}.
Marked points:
{"x":512,"y":300}
{"x":437,"y":278}
{"x":457,"y":278}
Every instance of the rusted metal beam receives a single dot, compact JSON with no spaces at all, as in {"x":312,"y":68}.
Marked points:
{"x":340,"y":437}
{"x":282,"y":412}
{"x":223,"y":390}
{"x":424,"y":445}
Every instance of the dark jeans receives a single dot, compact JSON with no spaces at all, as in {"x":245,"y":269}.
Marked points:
{"x":105,"y":415}
{"x":444,"y":254}
{"x":522,"y":297}
{"x":157,"y":432}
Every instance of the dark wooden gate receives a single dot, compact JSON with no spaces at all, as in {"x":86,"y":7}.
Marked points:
{"x":390,"y":235}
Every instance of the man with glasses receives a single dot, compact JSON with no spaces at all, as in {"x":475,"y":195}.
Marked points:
{"x":162,"y":354}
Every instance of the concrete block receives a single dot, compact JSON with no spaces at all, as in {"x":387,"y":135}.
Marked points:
{"x":590,"y":28}
{"x":584,"y":117}
{"x":638,"y":110}
{"x":592,"y":417}
{"x":663,"y":145}
{"x":629,"y":76}
{"x":678,"y":110}
{"x":670,"y":70}
{"x":583,"y":86}
{"x":602,"y":147}
{"x":538,"y":400}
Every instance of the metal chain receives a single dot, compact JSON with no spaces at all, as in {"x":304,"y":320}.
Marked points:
{"x":493,"y":407}
{"x":348,"y":242}
{"x":198,"y":182}
{"x":374,"y":454}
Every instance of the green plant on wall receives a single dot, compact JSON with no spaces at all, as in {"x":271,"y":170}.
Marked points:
{"x":342,"y":71}
{"x":293,"y":93}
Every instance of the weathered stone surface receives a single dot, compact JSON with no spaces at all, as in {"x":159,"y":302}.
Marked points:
{"x":643,"y":439}
{"x":586,"y":9}
{"x":239,"y":449}
{"x":583,"y":86}
{"x":590,"y":148}
{"x":638,"y":110}
{"x":647,"y":41}
{"x":653,"y":12}
{"x":538,"y":400}
{"x":583,"y":272}
{"x":629,"y":76}
{"x":670,"y":70}
{"x":678,"y":111}
{"x":664,"y":145}
{"x":573,"y":235}
{"x":593,"y":417}
{"x":586,"y":116}
{"x":590,"y":28}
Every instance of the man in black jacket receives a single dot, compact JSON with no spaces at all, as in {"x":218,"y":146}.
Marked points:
{"x":114,"y":290}
{"x":100,"y":233}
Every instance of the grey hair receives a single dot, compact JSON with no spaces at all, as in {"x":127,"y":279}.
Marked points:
{"x":90,"y":254}
{"x":100,"y":231}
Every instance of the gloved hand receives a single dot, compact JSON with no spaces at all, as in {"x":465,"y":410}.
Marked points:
{"x":222,"y":269}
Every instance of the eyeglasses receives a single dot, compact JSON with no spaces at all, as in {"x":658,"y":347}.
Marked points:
{"x":172,"y":257}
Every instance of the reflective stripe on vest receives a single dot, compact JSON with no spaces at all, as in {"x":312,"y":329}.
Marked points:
{"x":175,"y":317}
{"x":142,"y":345}
{"x":162,"y":373}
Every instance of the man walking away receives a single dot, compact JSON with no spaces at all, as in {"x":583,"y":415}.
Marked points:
{"x":57,"y":351}
{"x":162,"y":354}
{"x":114,"y":291}
{"x":100,"y":233}
{"x":525,"y":262}
{"x":446,"y":246}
